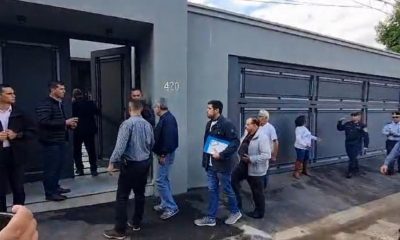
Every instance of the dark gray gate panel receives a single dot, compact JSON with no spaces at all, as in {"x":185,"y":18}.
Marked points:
{"x":326,"y":95}
{"x":332,"y":144}
{"x":383,"y":92}
{"x":376,"y":121}
{"x":28,"y":69}
{"x":330,"y":88}
{"x":270,"y":84}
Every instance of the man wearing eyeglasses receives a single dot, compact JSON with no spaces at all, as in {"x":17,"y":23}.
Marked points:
{"x":392,"y":132}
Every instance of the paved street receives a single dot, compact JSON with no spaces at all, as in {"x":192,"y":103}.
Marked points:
{"x":353,"y":207}
{"x":375,"y":220}
{"x":382,"y":228}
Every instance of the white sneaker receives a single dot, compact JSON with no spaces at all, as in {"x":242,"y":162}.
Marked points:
{"x":205,"y":221}
{"x":158,"y":208}
{"x":233,"y":218}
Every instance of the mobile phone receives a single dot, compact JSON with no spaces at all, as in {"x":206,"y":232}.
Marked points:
{"x":5,"y":219}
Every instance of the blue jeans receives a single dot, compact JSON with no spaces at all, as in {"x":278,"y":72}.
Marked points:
{"x":213,"y":179}
{"x":164,"y":185}
{"x":303,"y":155}
{"x":53,"y":161}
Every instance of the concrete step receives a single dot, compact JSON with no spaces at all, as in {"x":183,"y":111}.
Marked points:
{"x":85,"y":191}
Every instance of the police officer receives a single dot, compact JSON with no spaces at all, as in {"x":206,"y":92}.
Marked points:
{"x":356,"y":132}
{"x":392,"y":132}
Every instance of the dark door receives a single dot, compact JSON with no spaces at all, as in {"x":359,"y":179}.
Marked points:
{"x":28,"y":68}
{"x":111,"y":81}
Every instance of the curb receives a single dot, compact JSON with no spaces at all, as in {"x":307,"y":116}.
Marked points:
{"x":335,"y":222}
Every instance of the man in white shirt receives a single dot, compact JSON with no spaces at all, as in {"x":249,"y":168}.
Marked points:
{"x":15,"y":131}
{"x":269,"y":130}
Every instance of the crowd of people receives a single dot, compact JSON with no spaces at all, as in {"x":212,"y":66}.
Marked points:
{"x":228,"y":161}
{"x":140,"y":139}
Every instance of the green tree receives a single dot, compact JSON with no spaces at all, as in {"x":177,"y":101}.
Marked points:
{"x":389,"y":30}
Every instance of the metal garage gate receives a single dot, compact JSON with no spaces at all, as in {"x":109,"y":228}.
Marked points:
{"x":323,"y":95}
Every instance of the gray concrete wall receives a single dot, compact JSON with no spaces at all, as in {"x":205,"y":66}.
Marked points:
{"x":164,"y":56}
{"x":211,"y":39}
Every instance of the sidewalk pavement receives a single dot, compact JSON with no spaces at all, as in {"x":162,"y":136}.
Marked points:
{"x":290,"y":203}
{"x":375,"y":220}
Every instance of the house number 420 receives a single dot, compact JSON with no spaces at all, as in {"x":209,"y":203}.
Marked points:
{"x":171,"y":86}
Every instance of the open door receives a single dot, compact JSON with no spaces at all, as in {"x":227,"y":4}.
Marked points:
{"x":111,"y":83}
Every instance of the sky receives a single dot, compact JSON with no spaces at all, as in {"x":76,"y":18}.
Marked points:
{"x":355,"y":24}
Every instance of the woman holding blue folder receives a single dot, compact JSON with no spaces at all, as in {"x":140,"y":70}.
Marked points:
{"x":254,"y":153}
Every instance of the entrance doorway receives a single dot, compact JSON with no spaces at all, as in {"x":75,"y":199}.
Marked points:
{"x":103,"y":73}
{"x":38,"y":51}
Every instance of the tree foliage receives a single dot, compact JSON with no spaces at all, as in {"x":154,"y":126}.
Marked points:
{"x":388,"y":31}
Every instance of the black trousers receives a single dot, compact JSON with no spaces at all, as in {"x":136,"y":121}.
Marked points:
{"x":11,"y":173}
{"x":389,"y":146}
{"x":133,"y":176}
{"x":256,"y":184}
{"x":353,"y":150}
{"x":88,"y":140}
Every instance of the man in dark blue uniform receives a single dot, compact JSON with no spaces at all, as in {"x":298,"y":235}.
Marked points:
{"x":356,"y":132}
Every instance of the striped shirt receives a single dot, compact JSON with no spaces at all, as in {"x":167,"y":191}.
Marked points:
{"x":135,"y":140}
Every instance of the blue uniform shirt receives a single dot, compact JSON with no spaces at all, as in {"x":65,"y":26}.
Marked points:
{"x":392,"y":131}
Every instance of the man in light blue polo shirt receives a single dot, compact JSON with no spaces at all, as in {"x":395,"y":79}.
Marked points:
{"x":132,"y":150}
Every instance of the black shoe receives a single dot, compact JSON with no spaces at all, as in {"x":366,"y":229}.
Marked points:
{"x":94,"y":173}
{"x":56,"y":198}
{"x":112,"y":234}
{"x":79,"y":172}
{"x":349,"y":175}
{"x":255,"y":215}
{"x":134,"y":227}
{"x":61,"y":190}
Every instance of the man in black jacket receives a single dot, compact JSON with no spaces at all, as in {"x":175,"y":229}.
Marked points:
{"x":219,"y":165}
{"x":16,"y":129}
{"x":166,"y":142}
{"x":53,"y":136}
{"x":147,"y":112}
{"x":85,"y":110}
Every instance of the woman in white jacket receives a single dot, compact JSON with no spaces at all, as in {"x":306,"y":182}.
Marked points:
{"x":254,"y":153}
{"x":302,"y":146}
